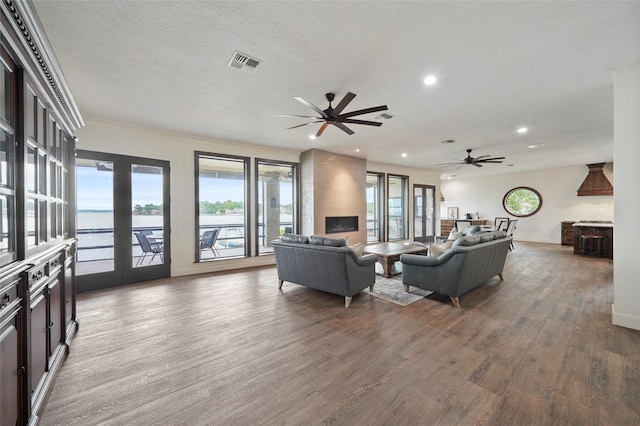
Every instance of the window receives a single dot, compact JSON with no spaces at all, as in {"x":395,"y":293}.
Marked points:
{"x":221,"y":197}
{"x":375,"y":195}
{"x":522,"y":201}
{"x":7,"y":159}
{"x":397,"y":207}
{"x":276,"y":203}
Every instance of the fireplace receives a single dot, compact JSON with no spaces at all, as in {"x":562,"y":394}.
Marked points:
{"x":335,"y":224}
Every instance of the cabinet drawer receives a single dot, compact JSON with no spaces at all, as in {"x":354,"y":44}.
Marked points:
{"x":8,"y":296}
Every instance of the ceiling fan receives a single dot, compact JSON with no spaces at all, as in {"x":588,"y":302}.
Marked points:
{"x":478,"y":161}
{"x":333,"y":115}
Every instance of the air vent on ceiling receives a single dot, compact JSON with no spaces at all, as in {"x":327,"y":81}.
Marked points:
{"x":383,"y":116}
{"x":244,"y":62}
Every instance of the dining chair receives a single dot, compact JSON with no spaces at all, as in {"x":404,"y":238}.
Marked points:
{"x":501,"y":223}
{"x":510,"y":231}
{"x":208,"y":241}
{"x":147,"y":247}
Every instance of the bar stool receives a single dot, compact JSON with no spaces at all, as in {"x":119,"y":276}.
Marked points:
{"x":585,"y":243}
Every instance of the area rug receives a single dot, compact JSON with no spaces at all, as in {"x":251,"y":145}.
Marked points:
{"x":392,"y":290}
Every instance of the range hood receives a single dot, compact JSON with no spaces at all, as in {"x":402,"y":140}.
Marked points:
{"x":596,"y":183}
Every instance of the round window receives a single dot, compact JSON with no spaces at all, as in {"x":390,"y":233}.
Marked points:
{"x":522,"y":201}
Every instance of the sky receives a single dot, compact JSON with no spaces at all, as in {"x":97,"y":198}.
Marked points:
{"x":95,"y":189}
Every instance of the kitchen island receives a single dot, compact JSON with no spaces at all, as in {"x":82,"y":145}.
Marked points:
{"x":598,"y":228}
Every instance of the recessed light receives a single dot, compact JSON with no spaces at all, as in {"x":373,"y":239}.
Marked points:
{"x":522,"y":130}
{"x":430,"y":80}
{"x":357,"y":149}
{"x":312,"y":137}
{"x":535,"y":145}
{"x":404,"y":154}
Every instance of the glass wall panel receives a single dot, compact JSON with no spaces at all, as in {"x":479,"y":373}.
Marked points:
{"x":95,"y":216}
{"x":6,"y":159}
{"x":31,"y":169}
{"x":31,"y":114}
{"x":375,"y":195}
{"x":221,"y":200}
{"x":397,"y":208}
{"x":7,"y":225}
{"x":6,"y":93}
{"x":31,"y":223}
{"x":147,"y":220}
{"x":276,"y":202}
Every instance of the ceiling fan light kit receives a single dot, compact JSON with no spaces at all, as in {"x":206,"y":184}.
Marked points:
{"x":333,"y":115}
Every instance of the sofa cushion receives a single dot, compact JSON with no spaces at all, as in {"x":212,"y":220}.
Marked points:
{"x":486,"y":237}
{"x":293,"y":238}
{"x":470,"y":230}
{"x":327,"y":241}
{"x":436,"y":249}
{"x":470,"y":240}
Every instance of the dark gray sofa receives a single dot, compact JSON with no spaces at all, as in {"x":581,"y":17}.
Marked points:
{"x":323,"y":263}
{"x":470,"y":262}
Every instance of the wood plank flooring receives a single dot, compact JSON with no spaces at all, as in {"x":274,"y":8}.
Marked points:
{"x":535,"y":349}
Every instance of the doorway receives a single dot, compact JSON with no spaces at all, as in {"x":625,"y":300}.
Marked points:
{"x":424,"y":224}
{"x":123,"y":220}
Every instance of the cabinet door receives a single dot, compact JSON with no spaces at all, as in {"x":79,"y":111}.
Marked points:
{"x":39,"y":350}
{"x":55,"y":315}
{"x":9,"y":365}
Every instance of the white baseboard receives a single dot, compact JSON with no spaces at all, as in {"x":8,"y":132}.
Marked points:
{"x":623,"y":320}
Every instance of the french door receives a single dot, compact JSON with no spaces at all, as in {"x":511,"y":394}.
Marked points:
{"x":123,"y":220}
{"x":424,"y":223}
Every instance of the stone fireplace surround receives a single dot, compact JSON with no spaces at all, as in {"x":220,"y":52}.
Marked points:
{"x":333,"y":185}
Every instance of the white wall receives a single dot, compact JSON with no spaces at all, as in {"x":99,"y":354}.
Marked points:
{"x":626,"y":268}
{"x":560,"y":202}
{"x":117,"y":138}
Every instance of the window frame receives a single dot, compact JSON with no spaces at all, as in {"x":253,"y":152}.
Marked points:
{"x":246,"y":161}
{"x":520,"y":188}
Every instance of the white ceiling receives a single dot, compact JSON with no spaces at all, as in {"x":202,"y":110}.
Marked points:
{"x":500,"y":65}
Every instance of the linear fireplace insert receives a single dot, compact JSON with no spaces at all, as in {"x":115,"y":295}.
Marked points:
{"x":335,"y":224}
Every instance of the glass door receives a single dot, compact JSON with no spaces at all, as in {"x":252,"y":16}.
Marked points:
{"x":122,"y":220}
{"x":423,"y":218}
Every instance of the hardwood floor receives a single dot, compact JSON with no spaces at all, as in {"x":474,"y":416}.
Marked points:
{"x":535,"y":349}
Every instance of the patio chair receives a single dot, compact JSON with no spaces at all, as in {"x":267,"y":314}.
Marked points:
{"x":208,"y":241}
{"x":147,"y":247}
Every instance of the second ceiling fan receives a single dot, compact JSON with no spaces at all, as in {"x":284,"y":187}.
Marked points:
{"x":477,"y":161}
{"x":333,"y":115}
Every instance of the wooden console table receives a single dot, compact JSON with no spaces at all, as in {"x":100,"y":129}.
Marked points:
{"x":447,"y":224}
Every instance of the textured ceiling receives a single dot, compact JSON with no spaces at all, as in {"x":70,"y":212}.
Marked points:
{"x":501,"y":65}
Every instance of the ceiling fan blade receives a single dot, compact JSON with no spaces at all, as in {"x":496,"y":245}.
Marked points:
{"x":324,"y":126}
{"x":490,"y":161}
{"x":449,"y":164}
{"x":342,"y":127}
{"x":483,"y":156}
{"x":363,"y":111}
{"x":477,"y":165}
{"x":343,"y":103}
{"x":312,"y":106}
{"x":292,"y":115}
{"x":305,"y":124}
{"x":366,"y":122}
{"x":493,"y":158}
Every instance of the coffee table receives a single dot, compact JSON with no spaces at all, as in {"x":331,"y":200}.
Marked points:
{"x":389,"y":253}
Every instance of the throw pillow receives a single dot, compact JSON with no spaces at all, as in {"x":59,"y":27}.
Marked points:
{"x":454,"y":235}
{"x":357,"y":248}
{"x":437,"y":249}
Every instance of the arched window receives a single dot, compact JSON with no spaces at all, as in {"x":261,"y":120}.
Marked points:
{"x":522,"y":201}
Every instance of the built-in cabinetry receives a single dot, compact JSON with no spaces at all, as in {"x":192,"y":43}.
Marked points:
{"x":604,"y":229}
{"x":566,"y":233}
{"x":446,"y":225}
{"x":37,"y":209}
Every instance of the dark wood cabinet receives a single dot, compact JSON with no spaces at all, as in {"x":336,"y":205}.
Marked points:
{"x":12,"y":359}
{"x":566,"y":233}
{"x":37,"y":216}
{"x":607,"y":242}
